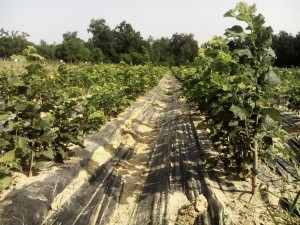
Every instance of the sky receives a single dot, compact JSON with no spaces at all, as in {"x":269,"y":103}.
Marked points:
{"x":50,"y":19}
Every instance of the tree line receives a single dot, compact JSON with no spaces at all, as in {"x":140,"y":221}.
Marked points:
{"x":123,"y":43}
{"x":287,"y":49}
{"x":107,"y":45}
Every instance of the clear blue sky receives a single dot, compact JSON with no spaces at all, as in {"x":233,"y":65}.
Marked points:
{"x":49,"y":19}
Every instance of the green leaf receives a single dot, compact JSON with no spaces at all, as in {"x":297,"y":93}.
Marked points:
{"x":236,"y":31}
{"x":8,"y":156}
{"x":4,"y":143}
{"x":258,"y":21}
{"x":233,"y":123}
{"x":15,"y":81}
{"x":20,"y":106}
{"x":97,"y":115}
{"x":271,"y":112}
{"x":242,"y":86}
{"x":252,"y":37}
{"x":15,"y":125}
{"x":21,"y":143}
{"x":4,"y":116}
{"x":230,"y":13}
{"x":41,"y":123}
{"x":244,"y":52}
{"x":48,"y":136}
{"x":41,"y":165}
{"x":5,"y":182}
{"x":244,"y":17}
{"x":48,"y":154}
{"x":269,"y":79}
{"x":19,"y":58}
{"x":242,"y":113}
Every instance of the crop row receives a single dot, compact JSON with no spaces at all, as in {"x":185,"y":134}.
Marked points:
{"x":43,"y":112}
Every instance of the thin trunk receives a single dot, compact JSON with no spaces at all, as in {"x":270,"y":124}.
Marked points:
{"x":32,"y":158}
{"x":255,"y":166}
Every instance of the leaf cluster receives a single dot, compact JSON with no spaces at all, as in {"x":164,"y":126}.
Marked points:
{"x":44,"y":112}
{"x":233,"y":85}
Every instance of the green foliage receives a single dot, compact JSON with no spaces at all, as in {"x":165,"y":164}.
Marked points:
{"x":43,"y":112}
{"x":233,"y":85}
{"x":287,"y":48}
{"x":183,"y":48}
{"x":28,"y":54}
{"x":12,"y":43}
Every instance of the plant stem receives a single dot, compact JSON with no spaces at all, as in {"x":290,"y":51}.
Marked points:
{"x":32,"y":158}
{"x":255,"y":165}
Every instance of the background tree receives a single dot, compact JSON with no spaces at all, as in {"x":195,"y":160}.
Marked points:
{"x":160,"y":52}
{"x":130,"y":46}
{"x":12,"y":43}
{"x":103,"y":39}
{"x":184,"y":48}
{"x":287,"y":49}
{"x":72,"y":49}
{"x":47,"y":51}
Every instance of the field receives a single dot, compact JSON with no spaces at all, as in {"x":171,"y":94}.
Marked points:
{"x":214,"y":141}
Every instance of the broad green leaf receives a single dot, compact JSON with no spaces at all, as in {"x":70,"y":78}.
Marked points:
{"x":271,"y":112}
{"x":48,"y":136}
{"x":41,"y":165}
{"x":4,"y":143}
{"x":269,"y":79}
{"x":15,"y":125}
{"x":15,"y":81}
{"x":225,"y":88}
{"x":41,"y":124}
{"x":4,"y":116}
{"x":222,"y":67}
{"x":37,"y":56}
{"x":8,"y":156}
{"x":242,"y":113}
{"x":230,"y":13}
{"x":233,"y":123}
{"x":236,"y":31}
{"x":48,"y":154}
{"x":19,"y":58}
{"x":258,"y":21}
{"x":242,"y":86}
{"x":20,"y":106}
{"x":246,"y":18}
{"x":97,"y":115}
{"x":21,"y":143}
{"x":252,"y":37}
{"x":5,"y":182}
{"x":244,"y":52}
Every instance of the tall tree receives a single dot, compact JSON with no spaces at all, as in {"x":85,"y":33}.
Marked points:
{"x":12,"y":42}
{"x":284,"y":45}
{"x":130,"y":45}
{"x":72,"y":49}
{"x":103,"y":38}
{"x":46,"y":50}
{"x":160,"y":52}
{"x":184,"y":48}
